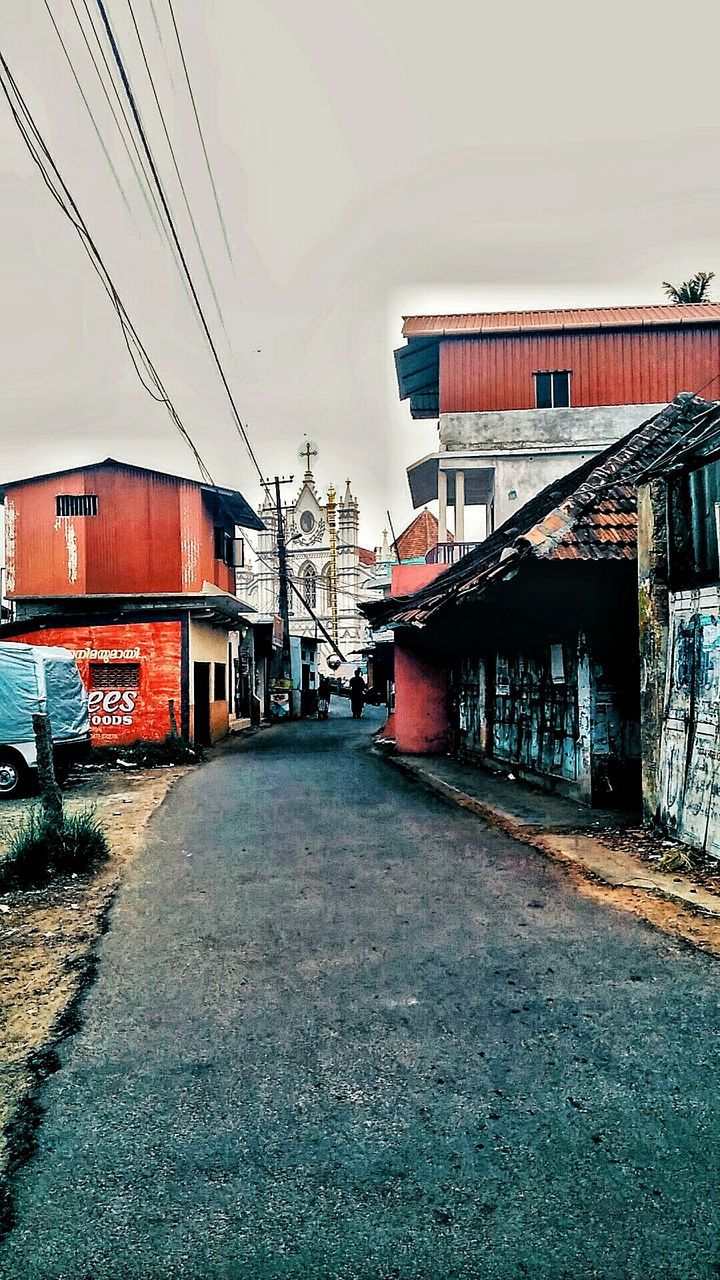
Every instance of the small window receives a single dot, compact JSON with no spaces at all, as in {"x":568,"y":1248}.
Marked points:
{"x":552,"y":390}
{"x":114,"y":675}
{"x":76,"y":504}
{"x":694,"y":527}
{"x":224,"y":546}
{"x":220,"y":682}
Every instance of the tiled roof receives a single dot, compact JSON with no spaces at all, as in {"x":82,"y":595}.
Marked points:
{"x":365,"y":556}
{"x":588,"y":515}
{"x":420,"y":535}
{"x":490,"y":322}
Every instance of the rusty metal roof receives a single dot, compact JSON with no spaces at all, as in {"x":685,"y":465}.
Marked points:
{"x":588,"y":515}
{"x":492,"y":322}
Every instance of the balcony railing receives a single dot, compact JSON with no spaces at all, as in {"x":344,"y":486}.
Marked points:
{"x":449,"y":552}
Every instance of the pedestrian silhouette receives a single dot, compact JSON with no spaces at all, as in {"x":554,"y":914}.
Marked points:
{"x":357,"y":694}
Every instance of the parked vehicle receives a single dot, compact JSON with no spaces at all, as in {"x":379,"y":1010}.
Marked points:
{"x":38,"y":678}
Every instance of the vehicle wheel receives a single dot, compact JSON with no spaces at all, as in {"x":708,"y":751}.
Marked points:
{"x":13,"y":775}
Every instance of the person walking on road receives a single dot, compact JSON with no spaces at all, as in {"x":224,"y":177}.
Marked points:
{"x":324,"y":698}
{"x":357,"y":694}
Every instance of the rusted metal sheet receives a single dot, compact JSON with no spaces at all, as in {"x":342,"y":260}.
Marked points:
{"x":131,"y":672}
{"x":690,"y":745}
{"x":152,"y":533}
{"x":640,"y":366}
{"x":561,"y":319}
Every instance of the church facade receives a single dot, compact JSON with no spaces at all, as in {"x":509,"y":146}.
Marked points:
{"x":328,"y":570}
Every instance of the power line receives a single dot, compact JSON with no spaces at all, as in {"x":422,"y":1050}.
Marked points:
{"x":81,"y":91}
{"x":154,"y":215}
{"x":199,"y":126}
{"x":177,"y":172}
{"x":171,"y":224}
{"x":41,"y":155}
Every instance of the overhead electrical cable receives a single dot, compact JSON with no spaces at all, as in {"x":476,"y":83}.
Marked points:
{"x":178,"y":174}
{"x":93,"y":121}
{"x":142,"y":180}
{"x":197,"y":122}
{"x":59,"y":190}
{"x":171,"y":224}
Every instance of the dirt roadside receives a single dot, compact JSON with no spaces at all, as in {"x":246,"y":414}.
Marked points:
{"x":47,"y":946}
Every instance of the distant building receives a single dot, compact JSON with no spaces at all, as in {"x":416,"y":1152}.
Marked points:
{"x":523,"y":397}
{"x":331,"y":581}
{"x":133,"y":570}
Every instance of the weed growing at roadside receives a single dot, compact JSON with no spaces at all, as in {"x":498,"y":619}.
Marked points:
{"x":149,"y":755}
{"x":43,"y":846}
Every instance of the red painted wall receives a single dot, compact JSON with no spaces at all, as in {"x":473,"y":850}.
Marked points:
{"x":152,"y":534}
{"x":119,"y":714}
{"x":405,"y":578}
{"x":641,"y":366}
{"x":421,"y":718}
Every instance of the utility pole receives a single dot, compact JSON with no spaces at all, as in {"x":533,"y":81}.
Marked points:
{"x":332,"y":584}
{"x":283,"y":603}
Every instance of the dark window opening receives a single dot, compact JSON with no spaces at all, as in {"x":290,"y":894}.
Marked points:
{"x":224,"y":546}
{"x":694,"y":527}
{"x":114,"y":675}
{"x":552,"y":390}
{"x":76,"y":504}
{"x":220,"y":682}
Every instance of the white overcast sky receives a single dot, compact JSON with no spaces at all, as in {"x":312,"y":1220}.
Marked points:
{"x":374,"y":158}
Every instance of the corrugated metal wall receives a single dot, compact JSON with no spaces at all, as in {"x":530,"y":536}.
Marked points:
{"x":627,"y":367}
{"x":152,"y":534}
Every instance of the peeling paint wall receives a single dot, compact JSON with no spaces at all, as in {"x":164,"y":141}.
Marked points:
{"x":689,"y":782}
{"x":536,"y":715}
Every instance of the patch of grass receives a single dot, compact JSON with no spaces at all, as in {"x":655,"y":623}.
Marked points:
{"x":43,"y":846}
{"x":149,"y":755}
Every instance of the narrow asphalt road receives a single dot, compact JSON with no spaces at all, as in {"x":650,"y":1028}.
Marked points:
{"x":342,"y":1030}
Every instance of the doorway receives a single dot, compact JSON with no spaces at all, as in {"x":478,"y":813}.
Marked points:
{"x":201,"y":690}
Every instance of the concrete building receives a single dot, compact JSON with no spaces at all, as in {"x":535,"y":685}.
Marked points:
{"x":679,"y":584}
{"x":328,"y":568}
{"x":524,"y":397}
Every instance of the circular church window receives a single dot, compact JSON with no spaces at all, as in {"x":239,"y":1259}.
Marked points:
{"x":307,"y":522}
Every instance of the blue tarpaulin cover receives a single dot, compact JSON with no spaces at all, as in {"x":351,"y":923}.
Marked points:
{"x":38,"y":678}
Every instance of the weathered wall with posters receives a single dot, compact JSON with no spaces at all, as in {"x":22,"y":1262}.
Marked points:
{"x":556,"y":715}
{"x":690,"y":745}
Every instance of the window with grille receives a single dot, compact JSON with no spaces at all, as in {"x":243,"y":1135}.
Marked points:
{"x":309,"y":586}
{"x":114,"y":675}
{"x":76,"y":504}
{"x":552,"y":390}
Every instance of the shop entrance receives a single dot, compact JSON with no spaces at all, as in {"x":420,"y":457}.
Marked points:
{"x":201,"y":691}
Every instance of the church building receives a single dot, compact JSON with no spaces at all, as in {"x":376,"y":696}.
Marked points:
{"x":327,"y":569}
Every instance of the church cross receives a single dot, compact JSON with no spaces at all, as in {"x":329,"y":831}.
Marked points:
{"x":307,"y":453}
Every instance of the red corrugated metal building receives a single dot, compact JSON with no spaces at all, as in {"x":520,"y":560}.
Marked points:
{"x":614,"y":355}
{"x":134,"y":571}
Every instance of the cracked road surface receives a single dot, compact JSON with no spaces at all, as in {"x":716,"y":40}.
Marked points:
{"x":342,"y":1030}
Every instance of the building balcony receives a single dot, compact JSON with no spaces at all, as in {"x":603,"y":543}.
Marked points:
{"x":449,"y":552}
